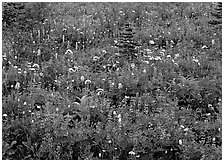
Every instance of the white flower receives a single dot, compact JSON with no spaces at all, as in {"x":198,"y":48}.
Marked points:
{"x":131,"y":153}
{"x":68,"y":52}
{"x":186,"y":129}
{"x":204,"y":47}
{"x":182,"y":126}
{"x":88,"y":81}
{"x":15,"y":67}
{"x":119,"y":118}
{"x":57,"y":109}
{"x":109,"y":141}
{"x":32,"y":69}
{"x":32,"y":121}
{"x":144,"y":71}
{"x":25,"y":103}
{"x":213,"y":42}
{"x":71,"y":70}
{"x":180,"y":142}
{"x":99,"y":91}
{"x":82,"y":78}
{"x":95,"y":58}
{"x":5,"y":115}
{"x":151,"y":42}
{"x":120,"y":85}
{"x":38,"y":52}
{"x":38,"y":107}
{"x":36,"y":65}
{"x":23,"y":112}
{"x":41,"y":74}
{"x":176,"y":55}
{"x":195,"y":60}
{"x":147,"y":62}
{"x":157,"y":58}
{"x":114,"y":112}
{"x":76,"y":68}
{"x":17,"y":86}
{"x":132,"y":65}
{"x":168,"y":56}
{"x":104,"y":51}
{"x":213,"y":139}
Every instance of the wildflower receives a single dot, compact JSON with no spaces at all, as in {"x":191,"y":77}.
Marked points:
{"x":38,"y":52}
{"x":95,"y":58}
{"x":109,"y":141}
{"x":71,"y":70}
{"x":104,"y":51}
{"x":204,"y":47}
{"x":147,"y":62}
{"x":151,"y":42}
{"x":132,"y":65}
{"x":41,"y":74}
{"x":182,"y":126}
{"x":157,"y":58}
{"x":76,"y":68}
{"x":213,"y":42}
{"x":36,"y":65}
{"x":120,"y":86}
{"x":168,"y":56}
{"x":56,"y":109}
{"x":25,"y":103}
{"x":176,"y":55}
{"x":213,"y":139}
{"x":114,"y":113}
{"x":99,"y":91}
{"x":186,"y":129}
{"x":82,"y":78}
{"x":88,"y":81}
{"x":17,"y":86}
{"x":119,"y":118}
{"x":144,"y":71}
{"x":32,"y":69}
{"x":5,"y":115}
{"x":68,"y":52}
{"x":15,"y":67}
{"x":32,"y":121}
{"x":23,"y":112}
{"x":131,"y":153}
{"x":38,"y":107}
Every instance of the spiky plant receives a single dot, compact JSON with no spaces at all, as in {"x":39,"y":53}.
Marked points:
{"x":126,"y":43}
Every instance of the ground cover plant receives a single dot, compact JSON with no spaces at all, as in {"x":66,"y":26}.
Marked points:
{"x":111,"y":81}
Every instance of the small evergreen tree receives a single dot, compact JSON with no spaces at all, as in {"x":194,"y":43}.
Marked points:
{"x":217,"y":13}
{"x":126,"y":43}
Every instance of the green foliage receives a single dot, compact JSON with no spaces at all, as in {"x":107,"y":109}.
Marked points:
{"x":70,"y":93}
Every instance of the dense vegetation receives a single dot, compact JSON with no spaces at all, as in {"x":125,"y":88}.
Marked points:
{"x":111,"y":81}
